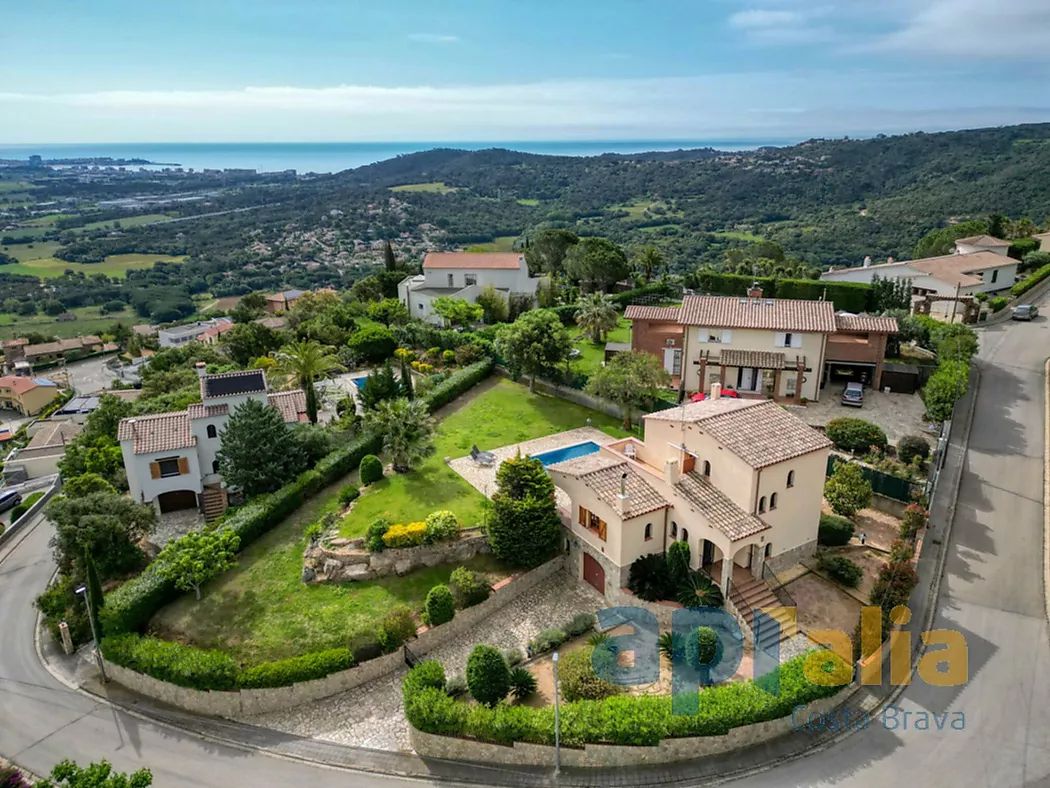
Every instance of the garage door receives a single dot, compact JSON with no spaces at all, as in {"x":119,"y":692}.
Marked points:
{"x":176,"y":500}
{"x":593,"y":573}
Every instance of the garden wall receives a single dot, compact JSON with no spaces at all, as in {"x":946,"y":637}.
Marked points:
{"x":354,"y":562}
{"x":241,"y":703}
{"x":610,"y":755}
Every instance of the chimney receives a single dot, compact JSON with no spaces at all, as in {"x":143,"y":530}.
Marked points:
{"x":622,"y":499}
{"x":754,"y":291}
{"x":867,"y":261}
{"x":672,"y":471}
{"x":202,"y":369}
{"x":716,"y":390}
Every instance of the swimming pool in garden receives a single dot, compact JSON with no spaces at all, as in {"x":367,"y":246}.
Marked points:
{"x":567,"y":453}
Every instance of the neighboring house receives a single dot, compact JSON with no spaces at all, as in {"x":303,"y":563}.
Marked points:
{"x":47,"y":352}
{"x":170,"y":458}
{"x":77,"y":409}
{"x":66,"y":317}
{"x":211,"y":335}
{"x":761,"y":347}
{"x":464,"y":275}
{"x":273,"y":323}
{"x":982,"y":243}
{"x":145,"y":330}
{"x":740,"y":481}
{"x":40,"y":457}
{"x":177,"y":336}
{"x":282,"y":302}
{"x":1044,"y":241}
{"x":28,"y":396}
{"x":14,"y":350}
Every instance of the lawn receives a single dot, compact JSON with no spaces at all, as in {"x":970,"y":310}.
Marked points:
{"x":502,"y":413}
{"x":502,"y":243}
{"x":130,"y":221}
{"x":437,"y":187}
{"x":37,"y":260}
{"x":732,"y":235}
{"x":16,"y":186}
{"x":88,"y":321}
{"x":530,"y":202}
{"x":593,"y":354}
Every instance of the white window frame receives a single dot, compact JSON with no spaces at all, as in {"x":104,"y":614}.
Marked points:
{"x":470,"y":279}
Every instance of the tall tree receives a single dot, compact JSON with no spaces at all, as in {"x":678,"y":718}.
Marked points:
{"x":525,"y":526}
{"x":407,"y":390}
{"x":306,"y":362}
{"x":406,"y":429}
{"x":534,"y":343}
{"x":597,"y":263}
{"x":389,"y":260}
{"x":197,"y":557}
{"x":246,"y":342}
{"x":630,"y":380}
{"x":650,"y":260}
{"x":547,"y":249}
{"x":106,"y":525}
{"x":458,"y":311}
{"x":258,"y":454}
{"x":596,"y":314}
{"x":380,"y":386}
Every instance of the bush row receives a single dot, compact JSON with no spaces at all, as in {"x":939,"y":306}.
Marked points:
{"x":1026,"y":284}
{"x":459,"y":383}
{"x":621,"y":719}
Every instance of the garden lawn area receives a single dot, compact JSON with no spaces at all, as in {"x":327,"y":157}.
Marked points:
{"x":498,"y":413}
{"x":732,"y":235}
{"x":88,"y":321}
{"x":592,"y":355}
{"x":38,"y":261}
{"x":261,"y":610}
{"x":437,"y":187}
{"x":127,"y":221}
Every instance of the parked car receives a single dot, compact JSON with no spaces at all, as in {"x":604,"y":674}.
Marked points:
{"x":853,"y":395}
{"x":9,"y":500}
{"x":1024,"y":312}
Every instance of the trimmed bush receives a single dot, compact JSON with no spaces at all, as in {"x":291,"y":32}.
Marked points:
{"x":701,"y":647}
{"x":834,"y":531}
{"x":911,"y":446}
{"x":410,"y":535}
{"x":580,"y":624}
{"x":441,"y":526}
{"x":290,"y":671}
{"x":678,"y":560}
{"x":464,"y":380}
{"x":469,"y":587}
{"x":841,"y":569}
{"x":371,"y":469}
{"x":1026,"y":284}
{"x":23,"y":507}
{"x":172,"y":662}
{"x":348,"y":494}
{"x":856,"y":435}
{"x":488,"y":677}
{"x":522,"y":683}
{"x":547,"y":640}
{"x":366,"y":642}
{"x":376,"y":531}
{"x":396,"y":627}
{"x":428,"y":674}
{"x":440,"y":605}
{"x":998,"y":304}
{"x":456,"y":685}
{"x":578,"y":678}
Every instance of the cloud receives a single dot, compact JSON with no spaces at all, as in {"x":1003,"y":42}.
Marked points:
{"x":763,"y":19}
{"x":782,"y":26}
{"x":433,"y":38}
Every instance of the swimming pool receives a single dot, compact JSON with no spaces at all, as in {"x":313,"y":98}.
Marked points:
{"x":359,"y":383}
{"x":567,"y":453}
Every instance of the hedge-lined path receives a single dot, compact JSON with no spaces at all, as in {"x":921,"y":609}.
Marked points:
{"x":371,"y":715}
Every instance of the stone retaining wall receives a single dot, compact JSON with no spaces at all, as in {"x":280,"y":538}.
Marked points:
{"x":341,"y":563}
{"x":240,"y":703}
{"x":610,"y":755}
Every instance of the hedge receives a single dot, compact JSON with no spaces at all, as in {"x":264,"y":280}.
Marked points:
{"x":638,"y":720}
{"x":175,"y":663}
{"x":629,"y":296}
{"x":1026,"y":284}
{"x":848,"y":296}
{"x":289,"y":671}
{"x":566,"y":314}
{"x":464,"y":380}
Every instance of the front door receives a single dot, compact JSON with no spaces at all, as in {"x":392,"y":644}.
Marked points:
{"x":593,"y":573}
{"x":673,"y":361}
{"x":747,"y":379}
{"x":709,"y":553}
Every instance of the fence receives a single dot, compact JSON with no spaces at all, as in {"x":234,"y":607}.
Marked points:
{"x":778,"y":589}
{"x":881,"y":483}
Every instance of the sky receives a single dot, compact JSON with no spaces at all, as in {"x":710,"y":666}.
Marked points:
{"x":466,"y":70}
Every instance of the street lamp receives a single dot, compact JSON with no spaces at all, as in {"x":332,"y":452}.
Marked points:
{"x":94,"y":633}
{"x":557,"y":720}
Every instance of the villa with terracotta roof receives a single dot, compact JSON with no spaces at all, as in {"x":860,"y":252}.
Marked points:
{"x":739,"y":480}
{"x":464,"y":275}
{"x":170,"y":458}
{"x":283,"y":301}
{"x":27,"y":395}
{"x":784,"y":349}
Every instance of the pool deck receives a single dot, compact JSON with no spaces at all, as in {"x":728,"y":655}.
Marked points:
{"x":484,"y":479}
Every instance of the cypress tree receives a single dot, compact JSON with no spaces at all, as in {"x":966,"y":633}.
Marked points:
{"x":388,"y":257}
{"x":406,"y":380}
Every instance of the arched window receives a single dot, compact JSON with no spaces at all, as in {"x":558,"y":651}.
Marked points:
{"x":212,"y":432}
{"x":769,"y":549}
{"x":674,"y":530}
{"x":707,"y":468}
{"x":648,"y":531}
{"x":791,"y":478}
{"x":685,"y":535}
{"x":772,"y":502}
{"x":761,"y":504}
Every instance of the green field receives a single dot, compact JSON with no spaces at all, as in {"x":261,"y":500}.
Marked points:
{"x":38,"y":260}
{"x":437,"y":187}
{"x":732,"y":235}
{"x":130,"y":221}
{"x":88,"y":321}
{"x":16,"y":186}
{"x":529,"y":202}
{"x":502,"y":243}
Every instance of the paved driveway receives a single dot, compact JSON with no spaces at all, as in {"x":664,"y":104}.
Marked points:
{"x":897,"y":414}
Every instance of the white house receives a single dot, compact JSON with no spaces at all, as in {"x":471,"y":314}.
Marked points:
{"x":464,"y":275}
{"x":177,"y":336}
{"x":1044,"y":241}
{"x":170,"y":458}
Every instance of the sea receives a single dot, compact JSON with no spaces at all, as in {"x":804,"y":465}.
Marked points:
{"x":328,"y":157}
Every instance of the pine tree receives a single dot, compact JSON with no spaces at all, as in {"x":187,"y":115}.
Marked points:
{"x":258,"y":454}
{"x":95,"y":598}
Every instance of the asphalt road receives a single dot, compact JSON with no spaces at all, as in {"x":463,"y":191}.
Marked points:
{"x":992,"y":593}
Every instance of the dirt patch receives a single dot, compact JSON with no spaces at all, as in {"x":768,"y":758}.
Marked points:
{"x":823,"y":605}
{"x":879,"y":528}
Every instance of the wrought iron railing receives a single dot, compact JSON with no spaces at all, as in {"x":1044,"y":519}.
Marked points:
{"x":778,"y":589}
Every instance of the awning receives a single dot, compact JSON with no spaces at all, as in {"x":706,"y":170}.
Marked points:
{"x":761,"y":359}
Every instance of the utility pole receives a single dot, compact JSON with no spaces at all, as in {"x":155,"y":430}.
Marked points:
{"x":94,"y":633}
{"x":557,"y":720}
{"x":955,"y":303}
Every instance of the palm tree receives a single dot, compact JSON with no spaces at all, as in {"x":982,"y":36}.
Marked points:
{"x":596,"y":314}
{"x":651,"y":260}
{"x":406,"y":429}
{"x":304,"y":362}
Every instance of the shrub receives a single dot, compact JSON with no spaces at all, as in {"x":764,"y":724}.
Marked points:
{"x":649,"y":578}
{"x":376,"y":531}
{"x":440,"y":605}
{"x":470,"y":588}
{"x":441,"y":526}
{"x":944,"y":388}
{"x":462,"y":381}
{"x":834,"y":531}
{"x":855,"y":435}
{"x":488,"y":677}
{"x":696,"y":589}
{"x":10,"y":777}
{"x":522,"y":683}
{"x":290,"y":671}
{"x":893,"y":586}
{"x":911,"y":446}
{"x":456,"y":685}
{"x":23,"y":507}
{"x":841,"y":569}
{"x":678,"y":560}
{"x":701,"y":647}
{"x":578,"y":679}
{"x":579,"y":624}
{"x":371,"y":469}
{"x":410,"y":535}
{"x":547,"y":640}
{"x":847,"y":490}
{"x":425,"y":675}
{"x":397,"y":626}
{"x":172,"y":662}
{"x":1037,"y":276}
{"x":366,"y":642}
{"x":513,"y":656}
{"x":348,"y":494}
{"x":373,"y":343}
{"x":901,"y":550}
{"x":913,"y":521}
{"x":448,"y":356}
{"x":525,"y":527}
{"x":998,"y":304}
{"x":314,"y":531}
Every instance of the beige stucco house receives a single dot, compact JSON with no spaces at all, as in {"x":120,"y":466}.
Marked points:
{"x":739,"y":480}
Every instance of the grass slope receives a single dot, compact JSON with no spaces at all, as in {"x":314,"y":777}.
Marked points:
{"x":436,"y":187}
{"x":88,"y":321}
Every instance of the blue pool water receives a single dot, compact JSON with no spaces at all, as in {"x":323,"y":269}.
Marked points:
{"x":360,"y":382}
{"x":567,"y":453}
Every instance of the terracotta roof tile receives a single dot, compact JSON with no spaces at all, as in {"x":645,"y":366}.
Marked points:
{"x":875,"y":325}
{"x":199,"y":411}
{"x":668,"y":314}
{"x":769,"y":314}
{"x":162,"y":432}
{"x":982,"y":240}
{"x":469,"y":260}
{"x":603,"y":475}
{"x":291,"y":404}
{"x":718,"y":509}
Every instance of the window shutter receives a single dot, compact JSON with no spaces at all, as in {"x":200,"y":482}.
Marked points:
{"x":701,"y":335}
{"x":727,"y":337}
{"x":184,"y":465}
{"x":601,"y":530}
{"x":796,"y":340}
{"x":154,"y":470}
{"x":583,"y":516}
{"x":780,"y":340}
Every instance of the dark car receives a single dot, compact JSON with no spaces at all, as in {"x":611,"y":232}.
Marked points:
{"x":853,"y":395}
{"x":9,"y":500}
{"x":1024,"y":312}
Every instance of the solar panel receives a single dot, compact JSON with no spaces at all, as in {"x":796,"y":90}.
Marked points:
{"x":224,"y":386}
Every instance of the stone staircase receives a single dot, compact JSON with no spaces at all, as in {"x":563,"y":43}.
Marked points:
{"x":754,"y":594}
{"x":215,"y":503}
